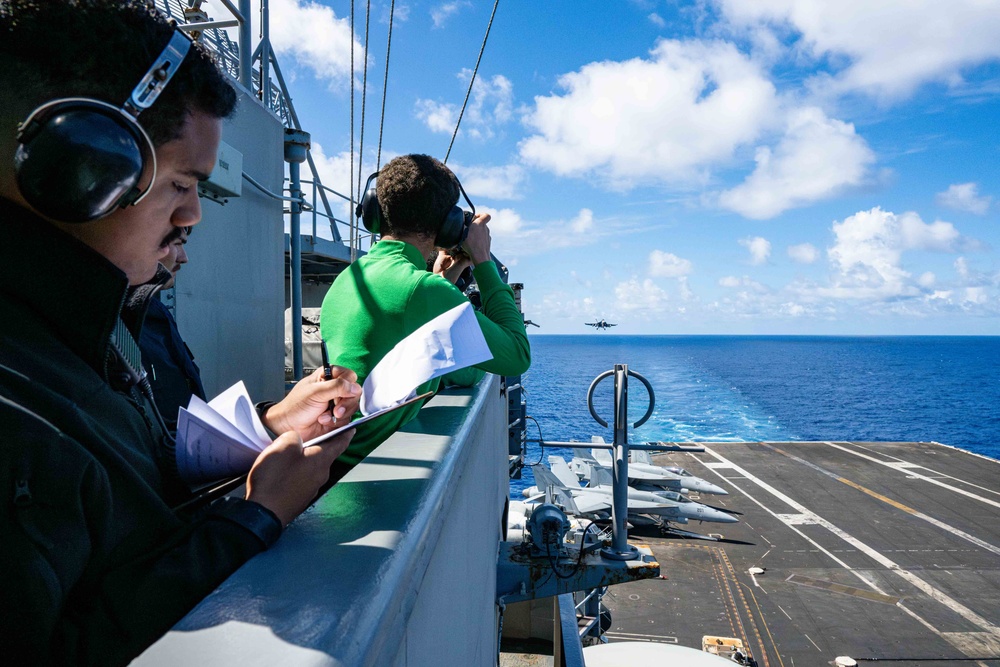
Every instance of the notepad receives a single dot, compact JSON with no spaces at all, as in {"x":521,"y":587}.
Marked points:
{"x":223,"y":438}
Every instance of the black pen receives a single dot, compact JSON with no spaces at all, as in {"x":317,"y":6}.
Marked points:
{"x":327,"y":371}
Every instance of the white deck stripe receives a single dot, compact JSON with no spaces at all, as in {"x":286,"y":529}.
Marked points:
{"x":911,"y":473}
{"x":943,"y":475}
{"x":929,"y":590}
{"x":909,"y":510}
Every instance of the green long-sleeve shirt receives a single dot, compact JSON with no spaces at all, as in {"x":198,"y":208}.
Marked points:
{"x":387,"y":295}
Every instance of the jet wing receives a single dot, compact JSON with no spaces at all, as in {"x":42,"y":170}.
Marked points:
{"x":634,"y":472}
{"x":648,"y":507}
{"x":589,"y":503}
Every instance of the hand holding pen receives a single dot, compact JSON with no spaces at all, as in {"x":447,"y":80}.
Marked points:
{"x":307,"y":408}
{"x":327,"y":372}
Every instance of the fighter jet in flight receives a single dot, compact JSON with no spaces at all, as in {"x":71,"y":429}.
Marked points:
{"x":642,"y":474}
{"x":600,"y":325}
{"x":594,"y":501}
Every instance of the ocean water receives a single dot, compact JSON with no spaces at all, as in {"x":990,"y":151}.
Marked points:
{"x":750,"y":388}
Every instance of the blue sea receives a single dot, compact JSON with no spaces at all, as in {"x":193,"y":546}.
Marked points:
{"x":752,"y":388}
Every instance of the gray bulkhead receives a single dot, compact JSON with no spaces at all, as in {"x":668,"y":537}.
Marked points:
{"x":229,"y":298}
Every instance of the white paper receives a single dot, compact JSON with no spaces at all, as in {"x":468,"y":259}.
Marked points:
{"x":450,"y":341}
{"x":235,"y":406}
{"x":204,"y":453}
{"x":218,"y":439}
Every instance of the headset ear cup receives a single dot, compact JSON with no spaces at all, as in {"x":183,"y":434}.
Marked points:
{"x":370,"y":211}
{"x":78,"y":160}
{"x":454,"y":229}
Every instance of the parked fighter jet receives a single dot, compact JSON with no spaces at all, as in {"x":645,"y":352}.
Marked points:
{"x":600,"y":325}
{"x":644,"y":507}
{"x":642,"y":474}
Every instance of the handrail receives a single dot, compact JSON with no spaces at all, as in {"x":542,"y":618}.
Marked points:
{"x":362,"y":577}
{"x":247,"y":177}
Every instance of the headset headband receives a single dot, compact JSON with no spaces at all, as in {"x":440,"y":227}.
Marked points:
{"x":96,"y":138}
{"x":158,"y":75}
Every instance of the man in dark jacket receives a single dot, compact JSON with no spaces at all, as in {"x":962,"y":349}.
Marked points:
{"x":174,"y":375}
{"x":96,"y":562}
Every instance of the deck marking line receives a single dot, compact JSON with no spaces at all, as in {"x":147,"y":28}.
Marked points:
{"x":939,"y":444}
{"x":917,"y":475}
{"x":750,"y":618}
{"x":874,"y":586}
{"x":898,"y":505}
{"x":763,"y":622}
{"x":935,"y":594}
{"x":783,"y":611}
{"x":812,"y":642}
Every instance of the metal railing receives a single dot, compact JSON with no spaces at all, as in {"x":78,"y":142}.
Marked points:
{"x":258,"y":71}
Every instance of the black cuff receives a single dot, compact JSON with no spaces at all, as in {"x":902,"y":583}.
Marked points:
{"x":262,"y":409}
{"x":256,"y":518}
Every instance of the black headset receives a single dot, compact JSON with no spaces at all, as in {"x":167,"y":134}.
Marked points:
{"x":451,"y":234}
{"x":79,"y":159}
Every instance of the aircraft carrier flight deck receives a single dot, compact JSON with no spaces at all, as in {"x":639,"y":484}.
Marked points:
{"x":887,"y":551}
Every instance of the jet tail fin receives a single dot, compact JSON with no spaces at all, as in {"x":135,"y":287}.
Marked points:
{"x":562,"y":472}
{"x":640,"y":456}
{"x":600,"y":476}
{"x":544,"y":477}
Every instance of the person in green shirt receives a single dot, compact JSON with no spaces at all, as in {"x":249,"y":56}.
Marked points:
{"x":389,"y":293}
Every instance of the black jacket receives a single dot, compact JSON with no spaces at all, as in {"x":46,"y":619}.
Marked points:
{"x":95,"y":563}
{"x":168,"y":360}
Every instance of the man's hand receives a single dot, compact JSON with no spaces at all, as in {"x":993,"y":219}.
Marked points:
{"x":285,"y":477}
{"x":477,"y":243}
{"x":450,"y":267}
{"x":306,"y":409}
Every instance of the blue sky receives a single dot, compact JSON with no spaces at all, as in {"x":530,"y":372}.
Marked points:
{"x":776,"y":166}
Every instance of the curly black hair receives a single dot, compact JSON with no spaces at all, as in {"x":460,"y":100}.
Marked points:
{"x":415,"y":193}
{"x":100,"y":49}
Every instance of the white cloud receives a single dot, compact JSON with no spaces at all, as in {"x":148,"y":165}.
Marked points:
{"x":668,"y":265}
{"x":664,"y":119}
{"x":437,"y":117}
{"x":335,"y":173}
{"x":975,"y":295}
{"x":884,"y":48}
{"x":815,"y":159}
{"x":316,"y":38}
{"x":490,"y":105}
{"x":505,"y":222}
{"x":503,"y":182}
{"x":515,"y":237}
{"x":927,"y":279}
{"x":634,"y":296}
{"x":868,"y":252}
{"x":441,"y":13}
{"x":962,"y":268}
{"x":867,"y":255}
{"x":803,"y":253}
{"x":964,"y":197}
{"x":583,"y":222}
{"x":759,"y":247}
{"x":657,"y":20}
{"x":918,"y":235}
{"x":746,"y":283}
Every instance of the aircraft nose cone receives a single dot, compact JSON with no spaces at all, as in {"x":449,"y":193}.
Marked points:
{"x":719,"y":516}
{"x":701,"y":486}
{"x":708,"y":487}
